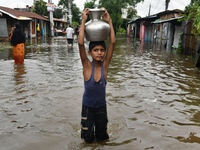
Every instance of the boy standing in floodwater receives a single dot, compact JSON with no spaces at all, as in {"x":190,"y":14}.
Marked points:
{"x":94,"y":111}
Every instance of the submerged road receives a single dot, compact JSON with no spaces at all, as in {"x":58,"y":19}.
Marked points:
{"x":152,"y":98}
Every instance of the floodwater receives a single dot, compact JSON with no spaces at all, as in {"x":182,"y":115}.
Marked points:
{"x":153,"y":99}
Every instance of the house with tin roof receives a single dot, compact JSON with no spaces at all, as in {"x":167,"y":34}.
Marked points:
{"x":28,"y":20}
{"x":165,"y":30}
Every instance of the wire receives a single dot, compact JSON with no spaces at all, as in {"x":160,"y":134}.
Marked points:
{"x":157,"y":4}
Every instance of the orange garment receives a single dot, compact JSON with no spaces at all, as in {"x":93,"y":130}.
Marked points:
{"x":18,"y":53}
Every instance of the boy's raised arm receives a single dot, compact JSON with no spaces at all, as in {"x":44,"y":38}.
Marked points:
{"x":111,"y":45}
{"x":82,"y":51}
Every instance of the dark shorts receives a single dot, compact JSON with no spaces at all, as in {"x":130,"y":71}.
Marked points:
{"x":70,"y":41}
{"x":94,"y":124}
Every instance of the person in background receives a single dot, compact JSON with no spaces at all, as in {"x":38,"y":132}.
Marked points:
{"x":11,"y":32}
{"x":94,"y":110}
{"x":77,"y":32}
{"x":70,"y":35}
{"x":18,"y":39}
{"x":55,"y":31}
{"x":38,"y":29}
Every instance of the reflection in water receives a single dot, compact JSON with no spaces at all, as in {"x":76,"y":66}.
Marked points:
{"x":39,"y":49}
{"x":152,"y":96}
{"x":19,"y":74}
{"x":191,"y":139}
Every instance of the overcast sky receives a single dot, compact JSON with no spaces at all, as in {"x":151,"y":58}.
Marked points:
{"x":142,"y":8}
{"x":159,"y":6}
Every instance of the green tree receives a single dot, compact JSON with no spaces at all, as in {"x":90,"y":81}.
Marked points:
{"x":64,"y":3}
{"x":58,"y":13}
{"x":192,"y":12}
{"x":132,"y":12}
{"x":90,"y":4}
{"x":76,"y":13}
{"x":40,"y":8}
{"x":114,"y":9}
{"x":75,"y":10}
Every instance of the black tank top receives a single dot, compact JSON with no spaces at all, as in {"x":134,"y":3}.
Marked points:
{"x":95,"y":92}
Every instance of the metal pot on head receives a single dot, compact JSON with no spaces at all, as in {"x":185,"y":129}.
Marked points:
{"x":96,"y":29}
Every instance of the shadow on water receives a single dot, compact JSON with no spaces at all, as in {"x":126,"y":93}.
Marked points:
{"x":152,"y":98}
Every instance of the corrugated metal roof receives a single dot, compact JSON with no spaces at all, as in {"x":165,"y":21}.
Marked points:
{"x":169,"y":12}
{"x":152,"y":17}
{"x":23,"y":18}
{"x":17,"y":14}
{"x":167,"y":20}
{"x":148,"y":18}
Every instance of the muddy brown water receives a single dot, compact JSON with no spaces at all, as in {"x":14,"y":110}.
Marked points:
{"x":152,"y":98}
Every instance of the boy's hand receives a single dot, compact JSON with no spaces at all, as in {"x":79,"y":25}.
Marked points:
{"x":85,"y":14}
{"x":106,"y":16}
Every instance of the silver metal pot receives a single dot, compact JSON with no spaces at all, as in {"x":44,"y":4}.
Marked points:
{"x":96,"y":29}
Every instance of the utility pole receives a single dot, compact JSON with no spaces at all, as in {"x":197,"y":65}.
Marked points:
{"x":51,"y":18}
{"x":149,"y":10}
{"x":166,"y":4}
{"x":70,"y":11}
